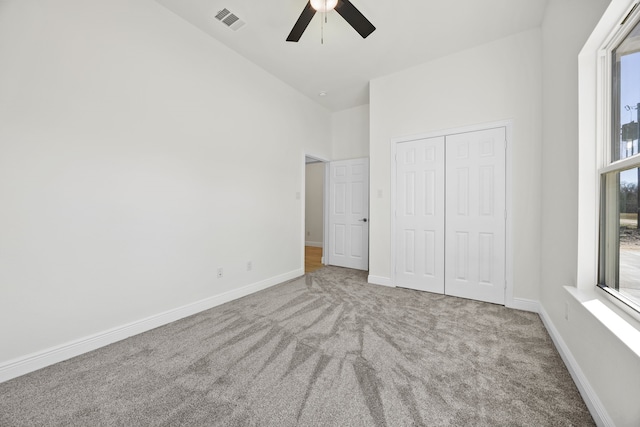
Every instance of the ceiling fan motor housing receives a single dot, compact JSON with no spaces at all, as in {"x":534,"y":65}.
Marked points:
{"x":324,"y":5}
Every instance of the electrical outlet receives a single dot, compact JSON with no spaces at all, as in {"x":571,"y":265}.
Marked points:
{"x":308,"y":233}
{"x":220,"y":273}
{"x":249,"y":266}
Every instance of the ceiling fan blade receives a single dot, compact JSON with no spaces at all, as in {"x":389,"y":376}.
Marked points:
{"x":356,"y":19}
{"x":302,"y":23}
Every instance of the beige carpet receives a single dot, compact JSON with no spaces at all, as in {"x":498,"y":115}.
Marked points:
{"x":323,"y":350}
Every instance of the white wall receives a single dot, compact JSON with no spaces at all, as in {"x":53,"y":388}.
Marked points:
{"x":350,"y":133}
{"x":609,"y":367}
{"x":137,"y":155}
{"x":492,"y":82}
{"x":314,"y":204}
{"x":561,"y":45}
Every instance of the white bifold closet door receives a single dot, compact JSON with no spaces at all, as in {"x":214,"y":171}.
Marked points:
{"x":450,"y":215}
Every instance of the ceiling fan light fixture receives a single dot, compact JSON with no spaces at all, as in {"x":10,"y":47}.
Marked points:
{"x":324,"y":5}
{"x":345,"y":8}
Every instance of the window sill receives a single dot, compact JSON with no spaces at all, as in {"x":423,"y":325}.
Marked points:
{"x":631,"y":307}
{"x":620,"y":322}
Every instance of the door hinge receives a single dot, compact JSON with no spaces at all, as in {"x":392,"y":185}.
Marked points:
{"x":505,"y":214}
{"x":505,"y":144}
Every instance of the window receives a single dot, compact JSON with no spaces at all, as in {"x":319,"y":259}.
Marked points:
{"x":619,"y":266}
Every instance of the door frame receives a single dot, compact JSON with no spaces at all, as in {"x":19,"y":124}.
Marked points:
{"x":325,"y":204}
{"x":508,"y":125}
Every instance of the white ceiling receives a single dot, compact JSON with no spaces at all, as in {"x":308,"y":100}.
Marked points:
{"x":408,"y":33}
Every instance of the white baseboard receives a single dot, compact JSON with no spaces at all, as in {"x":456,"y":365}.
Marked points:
{"x":596,"y":408}
{"x":313,"y":244}
{"x":379,"y":280}
{"x":524,"y":305}
{"x":32,"y":362}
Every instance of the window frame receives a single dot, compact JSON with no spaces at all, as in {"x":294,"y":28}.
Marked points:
{"x":607,"y":119}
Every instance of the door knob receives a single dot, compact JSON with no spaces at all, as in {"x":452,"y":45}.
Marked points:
{"x":363,"y":220}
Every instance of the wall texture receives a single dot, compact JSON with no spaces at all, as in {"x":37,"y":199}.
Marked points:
{"x":350,"y":133}
{"x":137,"y":156}
{"x":497,"y":81}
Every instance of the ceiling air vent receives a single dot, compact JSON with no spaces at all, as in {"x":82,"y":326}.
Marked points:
{"x":229,"y":19}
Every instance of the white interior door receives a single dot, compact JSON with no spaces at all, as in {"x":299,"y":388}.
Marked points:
{"x":349,"y":214}
{"x":419,"y":234}
{"x":476,"y":215}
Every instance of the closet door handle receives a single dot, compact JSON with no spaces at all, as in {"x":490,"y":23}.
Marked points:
{"x":363,"y":220}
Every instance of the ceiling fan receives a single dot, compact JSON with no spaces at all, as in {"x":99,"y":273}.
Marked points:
{"x":344,"y":7}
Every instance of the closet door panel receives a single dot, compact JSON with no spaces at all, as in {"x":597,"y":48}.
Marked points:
{"x":475,"y":215}
{"x":419,"y":229}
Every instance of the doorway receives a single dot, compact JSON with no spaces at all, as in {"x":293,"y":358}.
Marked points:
{"x":314,"y":218}
{"x":336,"y":215}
